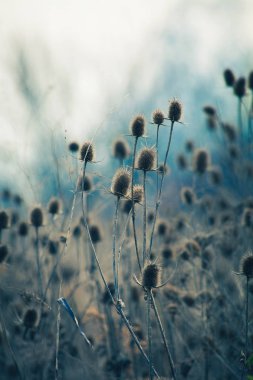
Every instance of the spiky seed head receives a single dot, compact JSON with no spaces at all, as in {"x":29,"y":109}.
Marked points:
{"x":182,"y":161}
{"x":121,"y":182}
{"x":23,"y":229}
{"x":247,"y":265}
{"x":229,"y":77}
{"x":4,"y":220}
{"x":250,"y":81}
{"x":163,"y":169}
{"x":167,"y":253}
{"x":84,"y":183}
{"x":158,"y":117}
{"x":187,"y":196}
{"x":120,"y":149}
{"x":3,"y":252}
{"x":240,"y":87}
{"x":175,"y":110}
{"x":73,"y":147}
{"x":95,"y":233}
{"x":162,"y":227}
{"x":53,"y":247}
{"x":146,"y":159}
{"x":137,"y":126}
{"x":138,"y":193}
{"x":209,"y":110}
{"x":201,"y":161}
{"x":77,"y":231}
{"x":30,"y":318}
{"x":151,"y":276}
{"x":54,"y":206}
{"x":36,"y":217}
{"x":87,"y":153}
{"x":127,"y":206}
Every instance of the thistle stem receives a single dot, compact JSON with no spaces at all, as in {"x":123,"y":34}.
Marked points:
{"x":149,"y":334}
{"x":144,"y":249}
{"x":115,"y":271}
{"x":37,"y":253}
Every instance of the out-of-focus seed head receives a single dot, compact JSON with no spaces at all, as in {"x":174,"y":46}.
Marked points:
{"x":250,"y":81}
{"x":189,"y":146}
{"x":138,"y":193}
{"x":146,"y":159}
{"x":54,"y":206}
{"x":151,"y":276}
{"x":106,"y":299}
{"x":230,"y":131}
{"x":187,"y":196}
{"x":248,"y":217}
{"x":229,"y":77}
{"x":209,"y":110}
{"x":189,"y":299}
{"x":163,"y":169}
{"x":87,"y":153}
{"x":4,"y":220}
{"x":216,"y":175}
{"x":23,"y":229}
{"x":137,"y":126}
{"x":158,"y":117}
{"x":175,"y":110}
{"x":84,"y":183}
{"x":121,"y":182}
{"x":36,"y":217}
{"x":127,"y":206}
{"x":17,"y":199}
{"x":201,"y":161}
{"x":150,"y":217}
{"x":182,"y":162}
{"x":120,"y":149}
{"x":95,"y":233}
{"x":73,"y":147}
{"x":53,"y":247}
{"x":167,"y":253}
{"x":247,"y":265}
{"x":211,"y":123}
{"x":3,"y":252}
{"x":30,"y":318}
{"x":6,"y":195}
{"x":240,"y":87}
{"x":77,"y":232}
{"x":162,"y":227}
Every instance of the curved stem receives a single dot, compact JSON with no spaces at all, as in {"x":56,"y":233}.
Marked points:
{"x":133,"y":206}
{"x":247,"y":318}
{"x":144,"y":248}
{"x":114,"y":266}
{"x":172,"y":367}
{"x":161,"y":186}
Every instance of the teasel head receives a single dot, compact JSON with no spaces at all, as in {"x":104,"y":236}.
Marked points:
{"x":36,"y":217}
{"x":137,"y":126}
{"x":229,"y":77}
{"x":84,"y":184}
{"x":230,"y":131}
{"x":23,"y":229}
{"x":54,"y":206}
{"x":188,"y":196}
{"x":189,"y":146}
{"x":182,"y":162}
{"x":127,"y":206}
{"x":73,"y":147}
{"x":162,"y":227}
{"x":121,"y":183}
{"x":250,"y":81}
{"x":30,"y":318}
{"x":175,"y":110}
{"x":210,"y":111}
{"x":53,"y":247}
{"x":4,"y":220}
{"x":215,"y":175}
{"x":87,"y":153}
{"x":151,"y":276}
{"x":150,"y":217}
{"x":18,"y":200}
{"x":248,"y":217}
{"x":201,"y":161}
{"x":76,"y":232}
{"x":3,"y":252}
{"x":167,"y":253}
{"x":146,"y":159}
{"x":189,"y":299}
{"x":95,"y":233}
{"x":138,"y":194}
{"x":158,"y":117}
{"x":240,"y":87}
{"x":163,"y":169}
{"x":246,"y":265}
{"x":120,"y":149}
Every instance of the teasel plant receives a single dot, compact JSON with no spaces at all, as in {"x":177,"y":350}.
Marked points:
{"x":36,"y":219}
{"x":121,"y":150}
{"x":151,"y":280}
{"x":137,"y":129}
{"x":145,"y":163}
{"x":174,"y":115}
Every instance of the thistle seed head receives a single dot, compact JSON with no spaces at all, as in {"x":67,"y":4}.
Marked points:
{"x":229,"y":77}
{"x":87,"y":153}
{"x":201,"y":161}
{"x":137,"y":126}
{"x":121,"y":182}
{"x":73,"y":147}
{"x":247,"y":265}
{"x":158,"y":117}
{"x":138,"y":193}
{"x":151,"y":276}
{"x":121,"y":149}
{"x":175,"y":110}
{"x":146,"y":159}
{"x":36,"y":217}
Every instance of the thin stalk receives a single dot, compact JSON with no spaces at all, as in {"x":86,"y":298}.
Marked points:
{"x":240,"y":118}
{"x":172,"y":367}
{"x":58,"y":322}
{"x":144,"y":248}
{"x":160,"y":190}
{"x":157,"y":160}
{"x":114,"y":266}
{"x":37,"y":254}
{"x":133,"y":206}
{"x":149,"y":334}
{"x":246,"y":318}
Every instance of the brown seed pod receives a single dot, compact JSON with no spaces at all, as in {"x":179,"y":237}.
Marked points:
{"x":247,"y":265}
{"x":120,"y":149}
{"x":84,"y":183}
{"x":54,"y":206}
{"x":229,"y":77}
{"x":138,"y":193}
{"x":146,"y":159}
{"x":175,"y":110}
{"x":121,"y":182}
{"x":73,"y":147}
{"x":201,"y":161}
{"x":36,"y":217}
{"x":137,"y":126}
{"x":23,"y":229}
{"x":4,"y":220}
{"x":95,"y":233}
{"x":158,"y":117}
{"x":87,"y":153}
{"x":151,"y":276}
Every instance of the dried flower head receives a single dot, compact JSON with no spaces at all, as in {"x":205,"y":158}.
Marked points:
{"x":120,"y":149}
{"x":247,"y":265}
{"x":229,"y":77}
{"x":87,"y":153}
{"x":137,"y":126}
{"x":121,"y":182}
{"x":163,"y":169}
{"x":84,"y":183}
{"x":95,"y":233}
{"x":23,"y":229}
{"x":138,"y":193}
{"x":77,"y":232}
{"x":3,"y":252}
{"x":4,"y":219}
{"x":209,"y":110}
{"x":189,"y":146}
{"x":182,"y":161}
{"x":151,"y":276}
{"x":36,"y":217}
{"x":187,"y":196}
{"x":146,"y":159}
{"x":201,"y":161}
{"x":158,"y":117}
{"x":54,"y":206}
{"x":240,"y":87}
{"x":53,"y":247}
{"x":162,"y":227}
{"x":175,"y":110}
{"x":73,"y":147}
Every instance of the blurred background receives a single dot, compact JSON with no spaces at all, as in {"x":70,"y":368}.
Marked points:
{"x":71,"y":71}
